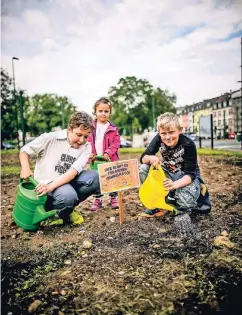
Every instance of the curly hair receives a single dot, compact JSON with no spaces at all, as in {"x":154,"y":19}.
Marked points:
{"x":81,"y":119}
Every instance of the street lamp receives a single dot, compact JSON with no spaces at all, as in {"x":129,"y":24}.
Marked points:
{"x":14,"y":97}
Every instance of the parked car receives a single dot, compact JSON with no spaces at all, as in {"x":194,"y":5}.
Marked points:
{"x":125,"y":143}
{"x":231,"y":135}
{"x":192,"y":136}
{"x":7,"y":146}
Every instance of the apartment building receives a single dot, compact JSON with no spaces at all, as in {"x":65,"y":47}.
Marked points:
{"x":226,"y":111}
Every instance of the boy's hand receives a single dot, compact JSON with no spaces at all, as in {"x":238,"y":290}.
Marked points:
{"x":169,"y":184}
{"x":91,"y":157}
{"x":106,"y":157}
{"x":154,"y":161}
{"x":44,"y":189}
{"x":25,"y":173}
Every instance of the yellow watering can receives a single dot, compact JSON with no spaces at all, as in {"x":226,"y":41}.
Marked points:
{"x":152,"y":193}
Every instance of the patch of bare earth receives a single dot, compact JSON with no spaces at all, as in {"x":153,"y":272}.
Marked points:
{"x":140,"y":267}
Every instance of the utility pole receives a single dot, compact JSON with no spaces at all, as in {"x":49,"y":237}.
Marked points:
{"x":62,"y":114}
{"x":153,"y":111}
{"x":241,"y":97}
{"x":237,"y":109}
{"x":14,"y":99}
{"x":224,"y":123}
{"x":21,"y":102}
{"x":211,"y":124}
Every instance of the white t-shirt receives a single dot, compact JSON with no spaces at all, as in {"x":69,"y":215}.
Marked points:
{"x":55,"y":155}
{"x":100,"y":131}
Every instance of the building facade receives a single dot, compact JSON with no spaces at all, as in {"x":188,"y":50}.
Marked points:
{"x":225,"y":110}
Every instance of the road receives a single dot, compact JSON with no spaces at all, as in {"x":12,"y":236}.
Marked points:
{"x":228,"y":144}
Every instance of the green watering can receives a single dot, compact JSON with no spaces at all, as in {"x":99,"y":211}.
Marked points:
{"x":29,"y":209}
{"x":97,"y":159}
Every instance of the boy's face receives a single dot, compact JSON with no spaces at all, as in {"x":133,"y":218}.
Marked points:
{"x":78,"y":136}
{"x":170,"y":136}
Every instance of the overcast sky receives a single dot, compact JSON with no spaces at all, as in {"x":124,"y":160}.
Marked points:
{"x":79,"y":48}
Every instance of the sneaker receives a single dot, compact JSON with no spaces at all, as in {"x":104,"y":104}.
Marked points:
{"x":53,"y":221}
{"x":170,"y":200}
{"x":76,"y":218}
{"x":97,"y":204}
{"x":153,"y":213}
{"x":114,"y":202}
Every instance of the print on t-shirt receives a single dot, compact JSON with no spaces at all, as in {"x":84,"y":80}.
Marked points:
{"x":64,"y":164}
{"x":173,"y":158}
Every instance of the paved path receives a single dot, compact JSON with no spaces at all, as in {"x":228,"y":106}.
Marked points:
{"x":228,"y":144}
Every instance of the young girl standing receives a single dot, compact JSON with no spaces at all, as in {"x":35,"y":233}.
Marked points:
{"x":105,"y":141}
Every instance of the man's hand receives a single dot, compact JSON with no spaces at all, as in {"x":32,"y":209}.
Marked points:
{"x":44,"y":189}
{"x":169,"y":184}
{"x":154,"y":161}
{"x":25,"y":173}
{"x":106,"y":157}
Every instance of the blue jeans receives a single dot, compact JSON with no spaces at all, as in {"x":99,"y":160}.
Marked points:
{"x":66,"y":197}
{"x":186,"y":197}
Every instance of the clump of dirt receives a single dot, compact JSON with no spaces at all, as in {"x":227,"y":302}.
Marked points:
{"x":141,"y":267}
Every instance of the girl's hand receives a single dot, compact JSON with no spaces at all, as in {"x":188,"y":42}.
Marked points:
{"x":44,"y":189}
{"x":154,"y":161}
{"x":25,"y":173}
{"x":169,"y":184}
{"x":106,"y":157}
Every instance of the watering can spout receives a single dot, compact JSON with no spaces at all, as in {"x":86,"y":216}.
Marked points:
{"x":41,"y":215}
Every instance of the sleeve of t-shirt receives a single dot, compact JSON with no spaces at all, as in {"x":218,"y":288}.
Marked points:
{"x":152,"y":148}
{"x":81,"y":162}
{"x":190,"y":160}
{"x":37,"y":146}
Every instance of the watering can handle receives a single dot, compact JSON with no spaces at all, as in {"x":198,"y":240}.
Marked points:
{"x":31,"y":180}
{"x":99,"y":158}
{"x":158,"y":167}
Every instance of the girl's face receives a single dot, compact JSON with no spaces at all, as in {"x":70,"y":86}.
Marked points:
{"x":102,"y":112}
{"x":78,"y":136}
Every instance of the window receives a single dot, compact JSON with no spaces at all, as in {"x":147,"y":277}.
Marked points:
{"x":219,"y":113}
{"x":214,"y":123}
{"x":219,"y":123}
{"x":219,"y":105}
{"x":230,"y":122}
{"x":214,"y":114}
{"x":231,"y":111}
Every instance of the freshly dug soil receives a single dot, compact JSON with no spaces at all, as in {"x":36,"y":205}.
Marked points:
{"x":141,"y":267}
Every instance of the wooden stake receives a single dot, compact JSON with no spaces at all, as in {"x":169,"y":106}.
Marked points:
{"x":121,"y":207}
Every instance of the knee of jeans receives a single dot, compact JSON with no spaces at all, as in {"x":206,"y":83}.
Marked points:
{"x":90,"y":188}
{"x":70,"y":199}
{"x":88,"y":178}
{"x":143,"y":172}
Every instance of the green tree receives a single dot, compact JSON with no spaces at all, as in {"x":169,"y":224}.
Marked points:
{"x":136,"y":102}
{"x":8,"y":113}
{"x":44,"y":112}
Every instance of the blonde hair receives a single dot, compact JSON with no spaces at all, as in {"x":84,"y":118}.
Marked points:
{"x":168,"y":121}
